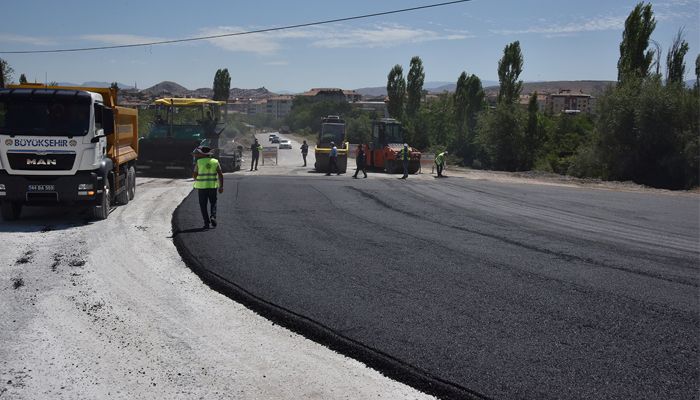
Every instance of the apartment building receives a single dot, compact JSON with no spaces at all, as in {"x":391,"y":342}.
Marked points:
{"x":567,"y":102}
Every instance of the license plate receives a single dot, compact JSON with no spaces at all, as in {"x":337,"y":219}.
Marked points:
{"x":41,"y":188}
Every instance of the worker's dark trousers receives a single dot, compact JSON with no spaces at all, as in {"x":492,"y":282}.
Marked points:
{"x":254,"y":161}
{"x":405,"y":168}
{"x":439,"y":169}
{"x":207,"y":195}
{"x":360,"y":168}
{"x":333,"y":165}
{"x":304,"y":156}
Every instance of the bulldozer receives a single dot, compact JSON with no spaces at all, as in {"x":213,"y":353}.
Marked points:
{"x":387,"y":142}
{"x":180,"y":126}
{"x":332,"y":130}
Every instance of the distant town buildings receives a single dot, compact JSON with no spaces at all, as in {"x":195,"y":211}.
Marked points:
{"x":262,"y":102}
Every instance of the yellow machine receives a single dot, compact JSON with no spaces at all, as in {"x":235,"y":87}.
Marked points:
{"x":332,"y":130}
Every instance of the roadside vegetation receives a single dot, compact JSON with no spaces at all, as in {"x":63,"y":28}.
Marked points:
{"x":645,"y":129}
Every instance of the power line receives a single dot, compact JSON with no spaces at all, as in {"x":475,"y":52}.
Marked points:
{"x":279,"y":28}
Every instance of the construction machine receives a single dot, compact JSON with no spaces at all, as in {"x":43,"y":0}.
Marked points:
{"x":332,"y":130}
{"x":387,"y":142}
{"x":180,"y":126}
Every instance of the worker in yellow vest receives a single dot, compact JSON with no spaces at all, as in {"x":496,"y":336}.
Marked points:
{"x":208,"y":177}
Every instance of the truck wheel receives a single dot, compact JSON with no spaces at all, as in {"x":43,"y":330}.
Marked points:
{"x":10,"y":210}
{"x":123,"y":197}
{"x":101,"y":211}
{"x":131,"y":178}
{"x":389,"y":166}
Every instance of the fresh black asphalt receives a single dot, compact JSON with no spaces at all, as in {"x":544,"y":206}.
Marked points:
{"x":467,"y":288}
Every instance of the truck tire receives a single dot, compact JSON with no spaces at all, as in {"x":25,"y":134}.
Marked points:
{"x":389,"y":166}
{"x":101,"y":211}
{"x":11,"y":210}
{"x":131,"y":178}
{"x":123,"y":197}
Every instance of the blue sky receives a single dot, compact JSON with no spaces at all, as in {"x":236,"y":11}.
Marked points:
{"x":560,"y":39}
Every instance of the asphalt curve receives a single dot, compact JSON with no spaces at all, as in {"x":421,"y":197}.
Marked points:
{"x":467,"y":288}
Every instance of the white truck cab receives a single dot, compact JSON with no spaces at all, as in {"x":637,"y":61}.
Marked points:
{"x":56,"y":147}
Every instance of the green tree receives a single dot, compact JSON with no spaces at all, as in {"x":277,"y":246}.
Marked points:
{"x":6,"y":72}
{"x":396,"y":91}
{"x":533,"y":132}
{"x":414,"y":87}
{"x":468,"y":103}
{"x":697,"y":72}
{"x":675,"y":60}
{"x":222,"y":85}
{"x":509,"y":69}
{"x":501,"y":135}
{"x":22,"y":79}
{"x":635,"y":59}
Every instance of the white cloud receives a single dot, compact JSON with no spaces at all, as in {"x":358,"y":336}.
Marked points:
{"x":382,"y":36}
{"x":598,"y":24}
{"x":119,"y":39}
{"x":327,"y":37}
{"x":32,"y":40}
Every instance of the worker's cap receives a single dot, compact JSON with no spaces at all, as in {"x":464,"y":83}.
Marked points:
{"x":332,"y":142}
{"x":405,"y":145}
{"x":203,"y":150}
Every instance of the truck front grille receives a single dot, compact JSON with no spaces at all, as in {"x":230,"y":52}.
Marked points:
{"x":41,"y":162}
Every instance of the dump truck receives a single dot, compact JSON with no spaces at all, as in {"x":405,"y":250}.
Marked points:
{"x":387,"y":142}
{"x":180,"y":126}
{"x":332,"y":130}
{"x":65,"y":145}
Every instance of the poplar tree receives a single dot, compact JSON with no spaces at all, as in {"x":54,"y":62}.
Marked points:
{"x":5,"y":73}
{"x":675,"y":60}
{"x":414,"y":87}
{"x":22,"y":79}
{"x":222,"y":85}
{"x":635,"y":57}
{"x":509,"y":69}
{"x":396,"y":91}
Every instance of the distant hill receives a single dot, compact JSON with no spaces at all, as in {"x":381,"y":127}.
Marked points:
{"x":96,"y":84}
{"x":594,"y":88}
{"x":167,"y":88}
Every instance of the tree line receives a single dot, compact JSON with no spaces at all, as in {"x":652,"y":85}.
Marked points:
{"x":645,"y":128}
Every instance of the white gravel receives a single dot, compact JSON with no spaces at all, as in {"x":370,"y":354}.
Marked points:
{"x":108,"y":310}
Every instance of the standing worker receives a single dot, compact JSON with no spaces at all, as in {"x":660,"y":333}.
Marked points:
{"x":304,"y":151}
{"x":440,"y":163}
{"x":333,"y":160}
{"x":360,"y":161}
{"x":208,"y":177}
{"x":405,"y":156}
{"x":255,"y":149}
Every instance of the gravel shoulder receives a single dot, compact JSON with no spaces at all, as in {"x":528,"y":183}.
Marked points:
{"x":109,"y":310}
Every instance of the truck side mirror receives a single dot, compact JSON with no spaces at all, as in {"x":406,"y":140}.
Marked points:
{"x":108,"y":121}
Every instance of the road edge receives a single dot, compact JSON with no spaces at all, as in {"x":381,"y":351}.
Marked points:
{"x":321,"y":334}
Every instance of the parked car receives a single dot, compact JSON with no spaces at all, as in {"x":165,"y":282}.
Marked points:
{"x":285,"y":144}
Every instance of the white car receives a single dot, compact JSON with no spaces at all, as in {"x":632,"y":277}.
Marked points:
{"x":285,"y":144}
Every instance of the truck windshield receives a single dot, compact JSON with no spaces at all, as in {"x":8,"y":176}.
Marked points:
{"x":332,"y":133}
{"x":393,"y":133}
{"x":33,"y":118}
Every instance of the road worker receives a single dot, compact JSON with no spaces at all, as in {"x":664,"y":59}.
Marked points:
{"x":208,"y":177}
{"x":333,"y":160}
{"x":405,"y":156}
{"x":255,"y":150}
{"x":304,"y":151}
{"x":440,"y":163}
